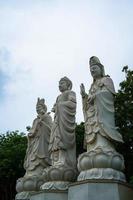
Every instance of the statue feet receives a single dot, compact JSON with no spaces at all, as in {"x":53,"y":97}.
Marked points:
{"x":101,"y":164}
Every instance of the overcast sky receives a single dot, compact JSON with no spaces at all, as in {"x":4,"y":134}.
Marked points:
{"x":44,"y":40}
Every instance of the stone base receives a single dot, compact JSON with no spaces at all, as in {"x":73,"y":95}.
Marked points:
{"x":55,"y":185}
{"x":101,"y":173}
{"x":100,"y":190}
{"x":51,"y":195}
{"x":23,"y":196}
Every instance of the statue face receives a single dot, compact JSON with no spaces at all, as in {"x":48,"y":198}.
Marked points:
{"x":63,"y":86}
{"x":95,"y":71}
{"x":40,"y":109}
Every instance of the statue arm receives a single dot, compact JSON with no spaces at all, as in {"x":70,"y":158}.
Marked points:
{"x":54,"y":107}
{"x":33,"y":130}
{"x":85,"y":105}
{"x":47,"y":121}
{"x":82,"y":91}
{"x":72,"y":97}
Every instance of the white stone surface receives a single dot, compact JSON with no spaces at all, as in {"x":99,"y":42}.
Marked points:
{"x":62,"y":145}
{"x":37,"y":156}
{"x":98,"y":109}
{"x":100,"y":130}
{"x":57,"y":195}
{"x":104,"y":190}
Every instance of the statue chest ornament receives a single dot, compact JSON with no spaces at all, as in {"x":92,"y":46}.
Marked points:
{"x":96,"y":86}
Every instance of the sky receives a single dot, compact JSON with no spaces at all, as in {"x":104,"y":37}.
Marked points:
{"x":42,"y":41}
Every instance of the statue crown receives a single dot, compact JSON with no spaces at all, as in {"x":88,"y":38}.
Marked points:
{"x":94,"y":60}
{"x":40,"y":101}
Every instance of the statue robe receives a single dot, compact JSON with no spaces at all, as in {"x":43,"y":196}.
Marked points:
{"x":38,"y":140}
{"x":98,"y":107}
{"x":63,"y":129}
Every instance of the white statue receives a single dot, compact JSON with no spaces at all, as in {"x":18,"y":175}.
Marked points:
{"x":37,"y":156}
{"x":100,"y":130}
{"x":62,"y":145}
{"x":98,"y":109}
{"x":62,"y":139}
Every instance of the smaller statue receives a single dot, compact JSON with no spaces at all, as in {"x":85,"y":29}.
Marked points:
{"x":62,"y":146}
{"x":100,"y":130}
{"x":37,"y":156}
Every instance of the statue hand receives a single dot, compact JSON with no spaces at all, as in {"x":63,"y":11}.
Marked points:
{"x":91,"y":99}
{"x":82,"y":90}
{"x":28,"y":128}
{"x":30,"y":134}
{"x":53,"y":109}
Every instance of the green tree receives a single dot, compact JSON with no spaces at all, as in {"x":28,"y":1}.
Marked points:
{"x":12,"y":152}
{"x":79,"y":138}
{"x":13,"y":144}
{"x":124,"y":119}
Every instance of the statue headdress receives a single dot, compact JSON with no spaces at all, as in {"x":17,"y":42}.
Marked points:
{"x":95,"y":61}
{"x":69,"y":82}
{"x":42,"y":103}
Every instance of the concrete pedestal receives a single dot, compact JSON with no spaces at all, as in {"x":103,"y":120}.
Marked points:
{"x":84,"y":190}
{"x":50,"y":195}
{"x":100,"y":190}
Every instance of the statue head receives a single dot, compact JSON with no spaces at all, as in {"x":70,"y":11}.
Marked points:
{"x":65,"y":84}
{"x":96,"y":68}
{"x":41,"y":108}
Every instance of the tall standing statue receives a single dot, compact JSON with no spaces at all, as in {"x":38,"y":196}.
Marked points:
{"x":101,"y":160}
{"x":62,"y":145}
{"x":37,"y":156}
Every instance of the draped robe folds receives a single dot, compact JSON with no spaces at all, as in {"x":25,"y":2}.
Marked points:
{"x":38,"y":140}
{"x":63,"y":129}
{"x":99,"y":112}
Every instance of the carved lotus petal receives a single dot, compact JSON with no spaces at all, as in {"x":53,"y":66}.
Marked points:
{"x":85,"y":163}
{"x":101,"y":161}
{"x":55,"y":174}
{"x":69,"y":175}
{"x":117,"y":163}
{"x":29,"y":185}
{"x":19,"y":185}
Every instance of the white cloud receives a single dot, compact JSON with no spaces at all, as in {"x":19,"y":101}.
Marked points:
{"x":46,"y":41}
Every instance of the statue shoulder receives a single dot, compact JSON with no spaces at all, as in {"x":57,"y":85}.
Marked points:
{"x":47,"y":119}
{"x":69,"y":93}
{"x":72,"y":93}
{"x":72,"y":96}
{"x":107,"y":81}
{"x":47,"y":116}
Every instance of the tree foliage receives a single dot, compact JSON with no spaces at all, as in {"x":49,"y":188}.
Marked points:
{"x":79,"y":138}
{"x":124,"y":119}
{"x":13,"y":144}
{"x":12,"y":152}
